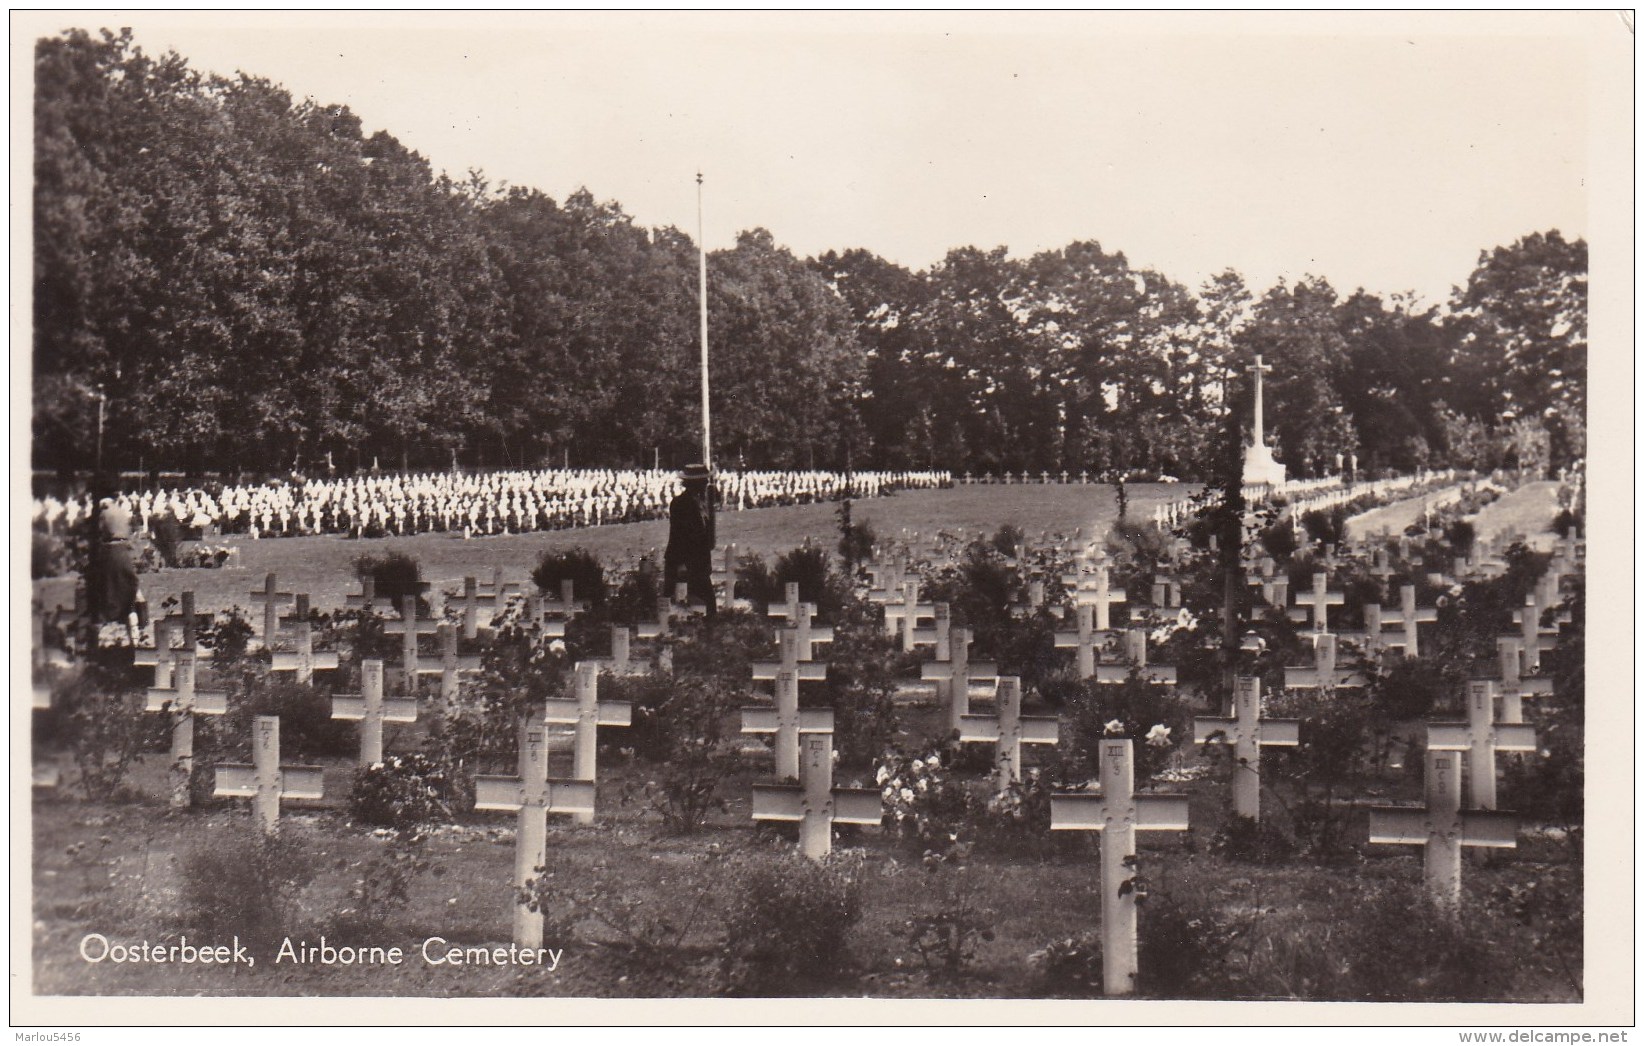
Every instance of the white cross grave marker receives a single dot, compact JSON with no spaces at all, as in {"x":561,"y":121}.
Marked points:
{"x":304,"y":661}
{"x":1247,"y":732}
{"x":587,"y":713}
{"x":272,"y":600}
{"x":372,"y":709}
{"x":1009,"y":729}
{"x":533,"y":795}
{"x":1481,"y":737}
{"x":184,"y":701}
{"x":1515,"y":686}
{"x":815,"y":803}
{"x":1442,"y":828}
{"x":955,"y":675}
{"x":1118,"y":813}
{"x":264,"y":781}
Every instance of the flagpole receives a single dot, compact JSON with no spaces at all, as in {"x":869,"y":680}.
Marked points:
{"x":702,"y":297}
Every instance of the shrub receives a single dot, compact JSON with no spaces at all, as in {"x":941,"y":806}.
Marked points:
{"x":401,"y":792}
{"x":1070,"y":965}
{"x":1279,"y":540}
{"x":808,"y":566}
{"x":1138,"y":706}
{"x":1252,"y":841}
{"x":395,"y":576}
{"x":105,"y":728}
{"x":1007,"y":540}
{"x":1183,"y":951}
{"x":46,"y":556}
{"x":945,"y":938}
{"x":787,"y":922}
{"x":1410,"y":688}
{"x":578,"y":565}
{"x":924,"y":803}
{"x":1399,"y":946}
{"x":861,"y":687}
{"x":1459,"y":536}
{"x":689,"y":722}
{"x":240,"y":882}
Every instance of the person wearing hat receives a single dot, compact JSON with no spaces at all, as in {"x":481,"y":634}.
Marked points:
{"x":691,"y":539}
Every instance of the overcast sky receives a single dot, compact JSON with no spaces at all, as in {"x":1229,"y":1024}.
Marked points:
{"x":1382,"y":152}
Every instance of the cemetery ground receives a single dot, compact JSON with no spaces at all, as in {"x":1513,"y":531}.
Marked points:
{"x":643,"y":910}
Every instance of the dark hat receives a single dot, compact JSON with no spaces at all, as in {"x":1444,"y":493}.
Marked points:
{"x":694,"y":471}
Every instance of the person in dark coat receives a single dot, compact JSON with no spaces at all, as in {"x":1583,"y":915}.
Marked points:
{"x":689,"y":556}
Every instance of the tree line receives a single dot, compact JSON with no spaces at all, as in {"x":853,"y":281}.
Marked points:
{"x":233,"y":279}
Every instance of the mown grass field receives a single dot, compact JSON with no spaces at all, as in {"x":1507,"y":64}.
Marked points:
{"x":323,"y":566}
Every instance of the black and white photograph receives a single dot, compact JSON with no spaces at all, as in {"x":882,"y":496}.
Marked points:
{"x":663,"y":511}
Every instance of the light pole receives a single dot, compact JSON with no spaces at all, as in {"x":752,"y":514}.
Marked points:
{"x":102,"y":410}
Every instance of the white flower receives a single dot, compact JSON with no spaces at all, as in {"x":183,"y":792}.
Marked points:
{"x":924,"y":785}
{"x":907,"y":795}
{"x":932,"y":764}
{"x":918,"y":764}
{"x":1114,"y":728}
{"x":557,"y":646}
{"x":882,"y":776}
{"x":1159,"y":736}
{"x":889,"y":794}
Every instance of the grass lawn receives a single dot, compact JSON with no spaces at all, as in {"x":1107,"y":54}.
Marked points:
{"x":322,"y":567}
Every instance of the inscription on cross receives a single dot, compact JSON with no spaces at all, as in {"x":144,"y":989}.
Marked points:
{"x":1246,"y":731}
{"x":184,"y":701}
{"x":1441,"y":828}
{"x":787,"y":723}
{"x":1118,"y":813}
{"x":814,"y":802}
{"x":1009,"y":730}
{"x":532,"y":795}
{"x":371,"y":709}
{"x":264,"y":781}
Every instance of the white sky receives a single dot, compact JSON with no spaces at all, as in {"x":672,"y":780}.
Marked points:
{"x":1380,"y":151}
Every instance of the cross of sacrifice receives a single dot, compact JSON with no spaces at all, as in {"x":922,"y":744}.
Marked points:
{"x":1410,"y":616}
{"x":184,"y":701}
{"x":1323,"y":675}
{"x":303,"y":659}
{"x":1118,"y":813}
{"x":264,"y":781}
{"x":532,"y":795}
{"x":409,"y":627}
{"x":1101,"y":595}
{"x":955,"y":675}
{"x":1515,"y":686}
{"x":586,"y":713}
{"x":814,"y":802}
{"x":905,"y":614}
{"x":1135,"y":647}
{"x":1533,"y":638}
{"x":940,"y":635}
{"x":1247,"y":732}
{"x":366,"y":599}
{"x":1009,"y":729}
{"x":1314,"y":607}
{"x":162,"y":655}
{"x":1442,"y":827}
{"x":372,"y":709}
{"x":449,"y":665}
{"x":475,"y":606}
{"x":1481,"y":737}
{"x":272,"y":600}
{"x":1085,"y":639}
{"x":787,"y":723}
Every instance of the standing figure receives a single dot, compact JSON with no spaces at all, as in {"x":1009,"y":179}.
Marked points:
{"x":111,"y":576}
{"x":691,"y":539}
